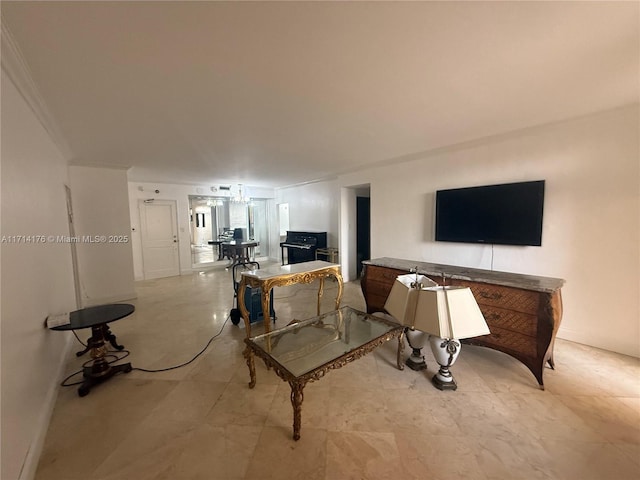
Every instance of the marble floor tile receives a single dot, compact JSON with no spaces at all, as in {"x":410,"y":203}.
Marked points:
{"x":357,"y":455}
{"x":539,"y":413}
{"x":438,"y":457}
{"x":150,"y":450}
{"x":579,"y":460}
{"x":189,"y":401}
{"x":367,"y":420}
{"x":217,"y":453}
{"x":277,"y":456}
{"x":359,"y":409}
{"x":240,"y":405}
{"x":417,"y":412}
{"x":610,"y":417}
{"x":515,"y":458}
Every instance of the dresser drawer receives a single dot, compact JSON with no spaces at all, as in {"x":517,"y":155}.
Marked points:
{"x":508,"y":298}
{"x":382,"y":275}
{"x":378,"y":281}
{"x":524,"y":323}
{"x":375,"y":303}
{"x":508,"y":341}
{"x":376,"y":285}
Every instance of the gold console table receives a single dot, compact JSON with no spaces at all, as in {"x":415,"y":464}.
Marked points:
{"x":282,"y":276}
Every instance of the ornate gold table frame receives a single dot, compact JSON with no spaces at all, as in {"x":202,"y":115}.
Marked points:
{"x":291,"y":356}
{"x":282,"y":276}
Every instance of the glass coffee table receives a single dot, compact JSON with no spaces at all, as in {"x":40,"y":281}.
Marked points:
{"x":304,"y":351}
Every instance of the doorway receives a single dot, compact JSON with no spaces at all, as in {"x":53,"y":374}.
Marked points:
{"x":206,"y":219}
{"x":355,"y":243}
{"x":214,"y":218}
{"x":363,"y":231}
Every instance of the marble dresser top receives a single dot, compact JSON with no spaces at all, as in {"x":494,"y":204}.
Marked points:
{"x":517,"y":280}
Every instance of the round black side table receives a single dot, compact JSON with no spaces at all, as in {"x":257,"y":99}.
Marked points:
{"x":97,"y":318}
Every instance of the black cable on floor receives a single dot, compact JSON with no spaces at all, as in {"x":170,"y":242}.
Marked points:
{"x":190,"y":361}
{"x":112,"y":353}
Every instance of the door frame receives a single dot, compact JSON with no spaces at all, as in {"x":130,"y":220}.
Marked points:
{"x":74,"y":250}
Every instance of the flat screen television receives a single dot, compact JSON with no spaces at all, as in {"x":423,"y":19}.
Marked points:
{"x":506,"y":214}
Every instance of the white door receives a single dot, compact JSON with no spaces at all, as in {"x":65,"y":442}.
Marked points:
{"x":159,"y":233}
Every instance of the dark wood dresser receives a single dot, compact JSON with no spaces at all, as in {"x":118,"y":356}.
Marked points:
{"x":523,"y":311}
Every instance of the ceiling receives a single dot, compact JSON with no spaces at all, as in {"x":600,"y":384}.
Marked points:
{"x":275,"y":94}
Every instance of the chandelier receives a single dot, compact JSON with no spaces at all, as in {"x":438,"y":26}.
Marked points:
{"x":239,"y":196}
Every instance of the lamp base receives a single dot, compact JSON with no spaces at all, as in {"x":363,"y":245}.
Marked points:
{"x":416,"y":341}
{"x":440,"y":385}
{"x":416,"y":363}
{"x":445,"y":351}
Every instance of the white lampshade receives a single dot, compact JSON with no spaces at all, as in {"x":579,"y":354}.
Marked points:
{"x":403,"y":298}
{"x":446,"y":313}
{"x":449,"y":312}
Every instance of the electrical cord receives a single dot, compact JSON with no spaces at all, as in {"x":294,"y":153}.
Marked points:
{"x":110,"y":354}
{"x":189,"y":361}
{"x":116,"y":358}
{"x":78,"y":338}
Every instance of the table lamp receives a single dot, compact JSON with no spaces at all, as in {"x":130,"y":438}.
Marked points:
{"x":401,"y":304}
{"x":446,"y":313}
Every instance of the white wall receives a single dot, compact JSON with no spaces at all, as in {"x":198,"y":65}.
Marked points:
{"x":591,"y":234}
{"x":348,"y":239}
{"x":101,"y":212}
{"x":37,"y":280}
{"x":313,"y":208}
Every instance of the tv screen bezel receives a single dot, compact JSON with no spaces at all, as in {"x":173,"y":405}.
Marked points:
{"x":530,"y":236}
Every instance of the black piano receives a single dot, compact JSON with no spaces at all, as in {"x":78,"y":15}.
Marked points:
{"x":302,"y":246}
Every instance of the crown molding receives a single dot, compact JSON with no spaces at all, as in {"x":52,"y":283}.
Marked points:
{"x":17,"y":69}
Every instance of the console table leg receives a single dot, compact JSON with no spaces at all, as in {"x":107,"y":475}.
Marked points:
{"x":248,"y":355}
{"x":244,"y":313}
{"x":296,"y":401}
{"x":320,"y":293}
{"x":265,"y":303}
{"x":338,"y":278}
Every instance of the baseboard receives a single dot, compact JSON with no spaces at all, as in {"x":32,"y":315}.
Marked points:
{"x":30,"y":465}
{"x":624,"y":346}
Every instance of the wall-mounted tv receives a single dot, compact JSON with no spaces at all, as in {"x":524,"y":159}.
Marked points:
{"x":506,"y":214}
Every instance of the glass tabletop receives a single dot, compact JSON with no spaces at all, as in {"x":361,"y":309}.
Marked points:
{"x":309,"y":344}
